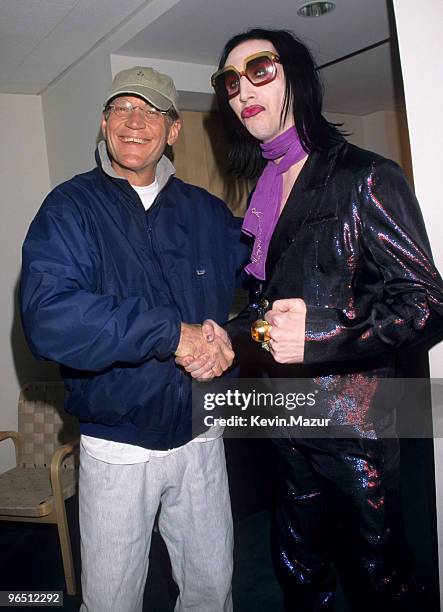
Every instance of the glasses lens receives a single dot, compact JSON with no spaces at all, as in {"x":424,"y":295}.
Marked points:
{"x":228,"y":83}
{"x":121,"y":109}
{"x":124,"y":109}
{"x":151,"y":114}
{"x":260,"y":70}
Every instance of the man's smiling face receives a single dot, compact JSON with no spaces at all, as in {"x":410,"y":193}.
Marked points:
{"x":135,"y":144}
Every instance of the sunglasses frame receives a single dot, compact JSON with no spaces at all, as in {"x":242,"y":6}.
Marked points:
{"x":269,"y":54}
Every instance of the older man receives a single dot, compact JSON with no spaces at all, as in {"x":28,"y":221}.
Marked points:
{"x":119,"y":266}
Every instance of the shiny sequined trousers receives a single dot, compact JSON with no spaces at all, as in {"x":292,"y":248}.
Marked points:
{"x":338,"y":513}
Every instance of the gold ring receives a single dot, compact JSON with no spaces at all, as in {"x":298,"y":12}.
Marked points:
{"x":260,"y":331}
{"x":266,"y":346}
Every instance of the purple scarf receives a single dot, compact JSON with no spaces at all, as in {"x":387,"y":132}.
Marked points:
{"x":263,"y":212}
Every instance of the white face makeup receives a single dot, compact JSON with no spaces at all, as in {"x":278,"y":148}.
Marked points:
{"x":259,"y":108}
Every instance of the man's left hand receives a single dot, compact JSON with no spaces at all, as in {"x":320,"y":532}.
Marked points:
{"x":288,"y":320}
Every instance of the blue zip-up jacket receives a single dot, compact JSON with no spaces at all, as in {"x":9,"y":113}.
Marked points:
{"x":106,"y":285}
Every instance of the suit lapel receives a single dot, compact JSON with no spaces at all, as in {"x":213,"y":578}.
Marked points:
{"x":308,"y":202}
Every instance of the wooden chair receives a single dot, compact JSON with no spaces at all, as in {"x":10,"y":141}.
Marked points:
{"x":46,"y":448}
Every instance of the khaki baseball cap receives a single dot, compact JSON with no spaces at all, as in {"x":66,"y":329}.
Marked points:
{"x":156,"y":88}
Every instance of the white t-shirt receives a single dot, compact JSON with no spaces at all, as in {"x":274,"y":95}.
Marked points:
{"x":125,"y":454}
{"x":147,"y":194}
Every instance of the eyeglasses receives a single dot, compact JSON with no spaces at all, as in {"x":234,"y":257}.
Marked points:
{"x":259,"y":69}
{"x":124,"y":108}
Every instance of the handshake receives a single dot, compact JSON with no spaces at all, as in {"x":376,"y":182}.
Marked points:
{"x":205,"y":350}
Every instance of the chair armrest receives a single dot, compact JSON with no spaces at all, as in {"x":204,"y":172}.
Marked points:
{"x":15,"y":437}
{"x":56,"y":461}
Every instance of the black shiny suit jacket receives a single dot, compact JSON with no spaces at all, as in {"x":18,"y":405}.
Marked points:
{"x":351,"y":242}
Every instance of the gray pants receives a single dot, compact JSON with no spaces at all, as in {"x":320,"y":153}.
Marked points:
{"x":118,"y":505}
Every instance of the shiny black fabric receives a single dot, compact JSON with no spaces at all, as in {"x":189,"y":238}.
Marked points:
{"x":351,"y":243}
{"x":339,"y":504}
{"x":360,"y":258}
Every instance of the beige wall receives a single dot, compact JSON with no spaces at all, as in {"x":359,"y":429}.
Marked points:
{"x":72,"y":113}
{"x":384,"y":132}
{"x":25,"y":182}
{"x":380,"y":132}
{"x":421,"y":52}
{"x":201,"y":158}
{"x":352,"y":124}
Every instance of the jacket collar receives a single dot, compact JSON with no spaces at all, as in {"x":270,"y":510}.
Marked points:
{"x":163,"y":171}
{"x":320,"y":167}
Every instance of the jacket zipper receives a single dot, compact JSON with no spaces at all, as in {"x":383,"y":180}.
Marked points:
{"x":177,"y":410}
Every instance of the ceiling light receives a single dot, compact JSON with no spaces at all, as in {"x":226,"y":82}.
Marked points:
{"x":315,"y":9}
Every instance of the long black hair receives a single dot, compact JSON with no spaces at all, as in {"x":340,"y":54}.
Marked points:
{"x":302,"y":87}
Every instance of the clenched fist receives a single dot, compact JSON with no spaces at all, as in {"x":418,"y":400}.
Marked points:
{"x":288,"y":320}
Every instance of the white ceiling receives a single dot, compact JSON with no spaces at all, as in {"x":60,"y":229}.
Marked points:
{"x":41,"y":39}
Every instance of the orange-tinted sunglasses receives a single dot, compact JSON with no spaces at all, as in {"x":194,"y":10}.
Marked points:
{"x":259,"y":69}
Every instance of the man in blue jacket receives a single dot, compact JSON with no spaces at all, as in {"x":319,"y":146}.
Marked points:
{"x":120,"y":265}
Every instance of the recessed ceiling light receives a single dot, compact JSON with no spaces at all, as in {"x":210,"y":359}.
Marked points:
{"x":315,"y":9}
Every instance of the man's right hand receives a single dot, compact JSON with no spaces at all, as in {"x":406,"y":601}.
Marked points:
{"x":204,"y":351}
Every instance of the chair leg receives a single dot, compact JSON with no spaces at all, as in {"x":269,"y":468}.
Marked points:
{"x":65,"y":545}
